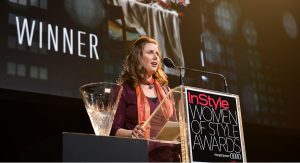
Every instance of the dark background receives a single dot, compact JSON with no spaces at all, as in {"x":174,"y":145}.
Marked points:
{"x":32,"y":113}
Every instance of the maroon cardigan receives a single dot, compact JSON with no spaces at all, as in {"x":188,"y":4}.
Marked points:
{"x":126,"y":116}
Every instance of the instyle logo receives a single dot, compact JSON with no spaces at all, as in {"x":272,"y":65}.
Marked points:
{"x":206,"y":100}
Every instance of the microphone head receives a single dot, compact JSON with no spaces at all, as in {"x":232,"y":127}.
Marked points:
{"x":169,"y":63}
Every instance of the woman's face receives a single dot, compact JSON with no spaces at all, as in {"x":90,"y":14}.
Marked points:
{"x":150,"y":58}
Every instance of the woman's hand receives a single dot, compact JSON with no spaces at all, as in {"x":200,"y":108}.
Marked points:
{"x":138,"y":132}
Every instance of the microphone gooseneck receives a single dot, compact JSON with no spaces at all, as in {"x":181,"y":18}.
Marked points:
{"x":169,"y":63}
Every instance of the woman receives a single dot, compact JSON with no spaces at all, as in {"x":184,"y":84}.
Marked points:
{"x":144,"y":86}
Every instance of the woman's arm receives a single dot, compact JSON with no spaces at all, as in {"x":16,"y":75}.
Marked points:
{"x":124,"y":132}
{"x":137,"y":132}
{"x":118,"y":122}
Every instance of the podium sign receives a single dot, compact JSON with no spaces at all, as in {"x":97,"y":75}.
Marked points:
{"x":214,"y":126}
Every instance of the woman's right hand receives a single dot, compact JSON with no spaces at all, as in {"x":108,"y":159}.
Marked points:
{"x":138,"y":132}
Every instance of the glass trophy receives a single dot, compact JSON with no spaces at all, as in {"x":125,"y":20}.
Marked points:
{"x":101,"y":100}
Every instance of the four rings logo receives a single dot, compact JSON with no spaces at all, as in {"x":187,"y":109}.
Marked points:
{"x":235,"y":156}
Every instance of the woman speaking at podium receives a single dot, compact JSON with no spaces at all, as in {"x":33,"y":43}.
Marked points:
{"x":144,"y":86}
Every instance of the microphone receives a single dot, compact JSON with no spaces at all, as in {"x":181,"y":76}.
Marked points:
{"x":170,"y":64}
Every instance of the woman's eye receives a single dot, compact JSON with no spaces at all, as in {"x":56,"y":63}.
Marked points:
{"x":150,"y":52}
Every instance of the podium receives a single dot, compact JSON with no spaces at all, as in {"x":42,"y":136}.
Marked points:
{"x":78,"y":147}
{"x":90,"y":148}
{"x":207,"y":125}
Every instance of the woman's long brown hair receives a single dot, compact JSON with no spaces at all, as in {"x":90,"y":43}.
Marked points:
{"x":133,"y":71}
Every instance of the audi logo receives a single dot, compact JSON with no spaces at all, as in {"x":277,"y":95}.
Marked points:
{"x":235,"y":156}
